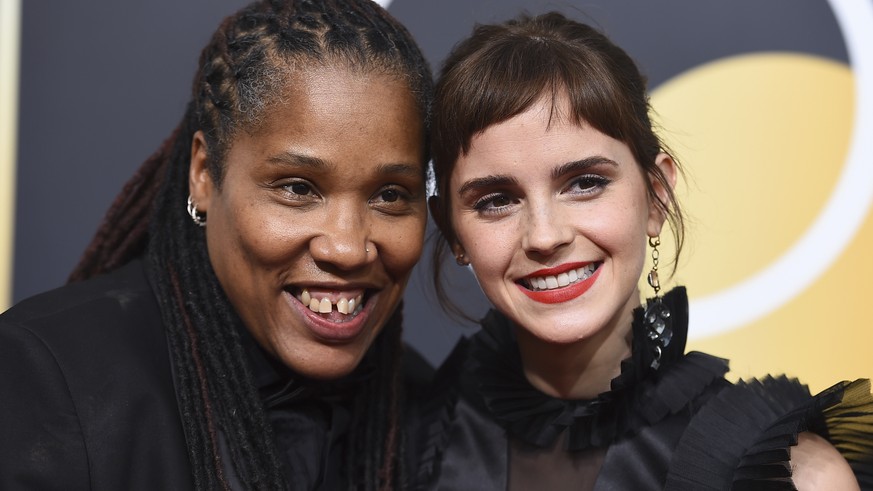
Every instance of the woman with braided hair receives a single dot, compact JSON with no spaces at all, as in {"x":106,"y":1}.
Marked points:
{"x":235,"y":323}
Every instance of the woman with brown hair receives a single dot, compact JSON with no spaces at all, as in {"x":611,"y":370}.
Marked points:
{"x":235,"y":323}
{"x":551,"y":183}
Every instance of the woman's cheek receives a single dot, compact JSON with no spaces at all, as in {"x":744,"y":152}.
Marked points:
{"x":403,"y":245}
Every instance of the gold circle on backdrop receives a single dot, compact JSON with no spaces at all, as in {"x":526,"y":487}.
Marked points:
{"x":10,"y":29}
{"x":764,"y":138}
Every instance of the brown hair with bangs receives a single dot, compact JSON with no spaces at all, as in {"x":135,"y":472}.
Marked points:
{"x":502,"y":70}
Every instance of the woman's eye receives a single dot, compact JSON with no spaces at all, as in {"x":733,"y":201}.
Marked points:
{"x":392,"y":199}
{"x":493,"y":203}
{"x":299,"y":188}
{"x":390,"y":195}
{"x":298,"y":191}
{"x":500,"y":202}
{"x":588,"y":184}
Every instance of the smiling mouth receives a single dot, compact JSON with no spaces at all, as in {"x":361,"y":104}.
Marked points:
{"x":339,"y":308}
{"x":561,"y":280}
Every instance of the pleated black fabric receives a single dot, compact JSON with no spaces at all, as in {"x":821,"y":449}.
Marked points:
{"x":640,"y":395}
{"x":679,"y":426}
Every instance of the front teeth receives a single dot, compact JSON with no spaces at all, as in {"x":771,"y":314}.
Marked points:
{"x":561,"y":280}
{"x":342,"y":305}
{"x":324,"y":306}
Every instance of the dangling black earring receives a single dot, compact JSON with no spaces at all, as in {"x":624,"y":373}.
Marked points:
{"x":657,"y":318}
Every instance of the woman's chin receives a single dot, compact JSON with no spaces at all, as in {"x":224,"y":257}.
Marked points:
{"x":324,"y":362}
{"x":559,"y":334}
{"x":332,"y":371}
{"x":560,"y":339}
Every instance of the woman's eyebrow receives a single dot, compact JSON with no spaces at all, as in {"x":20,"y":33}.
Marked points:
{"x":294,"y":159}
{"x":298,"y":160}
{"x":486,"y":182}
{"x":581,"y":165}
{"x":401,"y":168}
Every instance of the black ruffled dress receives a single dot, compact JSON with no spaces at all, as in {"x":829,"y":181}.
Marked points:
{"x":670,"y":421}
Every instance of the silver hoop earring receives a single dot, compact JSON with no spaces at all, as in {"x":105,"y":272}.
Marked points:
{"x":196,"y":216}
{"x":461,"y":259}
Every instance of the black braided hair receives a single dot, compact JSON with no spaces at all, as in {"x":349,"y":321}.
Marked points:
{"x":242,"y":71}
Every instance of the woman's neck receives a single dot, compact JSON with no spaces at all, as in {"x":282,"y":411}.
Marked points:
{"x":583,"y":369}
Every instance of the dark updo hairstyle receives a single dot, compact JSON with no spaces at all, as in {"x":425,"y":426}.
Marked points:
{"x":242,"y":71}
{"x":502,"y":70}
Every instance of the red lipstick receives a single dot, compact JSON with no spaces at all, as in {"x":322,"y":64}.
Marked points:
{"x":563,"y":294}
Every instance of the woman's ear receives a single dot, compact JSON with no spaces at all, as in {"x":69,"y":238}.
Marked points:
{"x":200,"y":185}
{"x":657,"y":213}
{"x":460,"y":254}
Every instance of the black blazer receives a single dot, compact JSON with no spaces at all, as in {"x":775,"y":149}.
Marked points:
{"x":86,"y":390}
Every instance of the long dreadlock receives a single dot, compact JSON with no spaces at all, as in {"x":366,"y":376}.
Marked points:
{"x":241,"y":73}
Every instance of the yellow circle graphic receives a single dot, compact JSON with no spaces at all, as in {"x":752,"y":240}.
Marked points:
{"x":764,"y":138}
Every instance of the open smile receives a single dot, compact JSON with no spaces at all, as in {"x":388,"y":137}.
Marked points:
{"x":344,"y":303}
{"x":560,"y":284}
{"x":333,"y":315}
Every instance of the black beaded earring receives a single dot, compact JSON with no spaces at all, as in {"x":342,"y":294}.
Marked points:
{"x":657,"y":317}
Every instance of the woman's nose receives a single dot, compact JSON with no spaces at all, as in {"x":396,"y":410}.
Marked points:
{"x":343,"y":240}
{"x":545,"y":229}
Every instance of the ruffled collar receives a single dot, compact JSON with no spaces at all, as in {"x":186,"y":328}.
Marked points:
{"x":639,"y":395}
